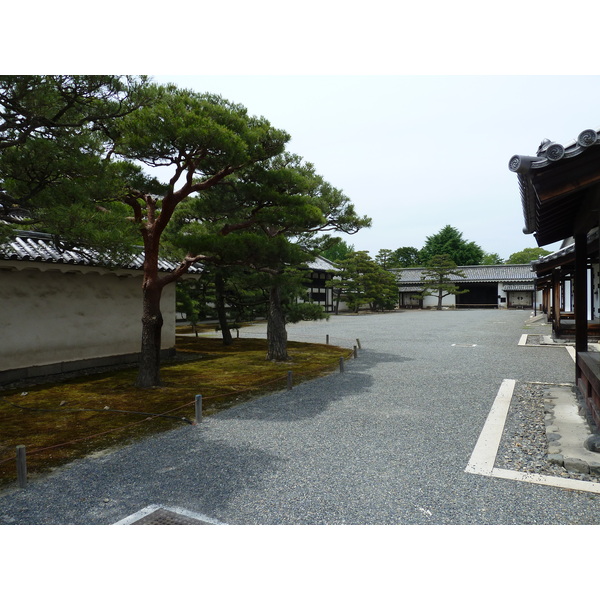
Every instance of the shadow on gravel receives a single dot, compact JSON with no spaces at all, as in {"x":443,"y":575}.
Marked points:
{"x":309,"y":399}
{"x":185,"y":470}
{"x":207,"y":474}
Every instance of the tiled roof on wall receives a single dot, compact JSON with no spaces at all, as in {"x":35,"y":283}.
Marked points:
{"x":40,"y":247}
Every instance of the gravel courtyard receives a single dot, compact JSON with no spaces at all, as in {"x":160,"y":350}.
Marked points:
{"x":385,"y":442}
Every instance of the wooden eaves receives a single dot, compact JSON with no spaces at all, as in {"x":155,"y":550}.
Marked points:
{"x":560,"y":195}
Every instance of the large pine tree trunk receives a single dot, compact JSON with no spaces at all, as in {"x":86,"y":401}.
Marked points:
{"x":221,"y":311}
{"x":276,"y":333}
{"x":152,"y":322}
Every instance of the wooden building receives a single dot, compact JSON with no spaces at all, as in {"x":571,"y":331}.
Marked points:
{"x":321,"y":271}
{"x":555,"y":275}
{"x":489,"y":286}
{"x":560,"y":195}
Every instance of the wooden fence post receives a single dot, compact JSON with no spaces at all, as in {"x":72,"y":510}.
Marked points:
{"x":21,"y":466}
{"x":341,"y":364}
{"x":289,"y":380}
{"x":198,"y":408}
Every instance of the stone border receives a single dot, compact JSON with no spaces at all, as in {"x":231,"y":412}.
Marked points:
{"x":566,"y":431}
{"x":484,"y":454}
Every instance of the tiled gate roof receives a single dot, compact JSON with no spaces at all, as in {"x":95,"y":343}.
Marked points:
{"x":474,"y":274}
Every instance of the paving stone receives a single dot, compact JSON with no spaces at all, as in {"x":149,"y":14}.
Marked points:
{"x":594,"y":468}
{"x":556,"y":459}
{"x":576,"y":465}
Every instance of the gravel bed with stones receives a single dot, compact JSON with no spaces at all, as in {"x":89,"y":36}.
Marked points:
{"x":524,"y":443}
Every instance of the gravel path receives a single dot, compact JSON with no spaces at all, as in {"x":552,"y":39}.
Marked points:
{"x":386,"y":442}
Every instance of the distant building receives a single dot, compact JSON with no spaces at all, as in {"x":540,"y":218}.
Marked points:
{"x":490,"y":286}
{"x":321,"y":272}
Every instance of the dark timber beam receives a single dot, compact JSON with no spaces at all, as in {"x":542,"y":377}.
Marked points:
{"x":581,"y":324}
{"x":556,"y":288}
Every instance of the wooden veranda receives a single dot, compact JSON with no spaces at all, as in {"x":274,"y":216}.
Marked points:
{"x":555,"y":278}
{"x":560,"y":194}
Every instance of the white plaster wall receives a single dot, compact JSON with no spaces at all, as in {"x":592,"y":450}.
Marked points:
{"x":432,"y":301}
{"x":502,"y":294}
{"x":48,"y":317}
{"x":568,"y":287}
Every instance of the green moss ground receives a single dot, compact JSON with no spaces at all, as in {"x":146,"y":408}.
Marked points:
{"x":49,"y":420}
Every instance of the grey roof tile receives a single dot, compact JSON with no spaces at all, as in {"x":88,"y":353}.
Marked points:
{"x":474,"y":274}
{"x":39,"y":247}
{"x":321,"y":264}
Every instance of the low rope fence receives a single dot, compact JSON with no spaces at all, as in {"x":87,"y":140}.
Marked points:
{"x":22,"y":452}
{"x":253,"y":333}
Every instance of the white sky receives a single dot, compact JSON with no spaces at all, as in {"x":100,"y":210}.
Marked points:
{"x":416,"y":153}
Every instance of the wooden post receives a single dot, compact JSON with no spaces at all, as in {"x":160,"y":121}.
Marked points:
{"x":355,"y":352}
{"x":21,"y":466}
{"x":198,"y":409}
{"x":327,"y":339}
{"x":581,"y":291}
{"x":358,"y":343}
{"x":556,"y":291}
{"x":289,"y":380}
{"x":341,"y":364}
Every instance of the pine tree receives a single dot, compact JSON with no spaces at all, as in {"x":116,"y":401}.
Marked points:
{"x":361,"y":281}
{"x":437,"y":279}
{"x":449,"y":241}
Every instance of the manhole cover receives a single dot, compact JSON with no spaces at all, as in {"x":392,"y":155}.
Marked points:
{"x":167,"y":517}
{"x":162,"y":515}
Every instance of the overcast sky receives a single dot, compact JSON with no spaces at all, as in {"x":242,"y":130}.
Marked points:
{"x":416,"y":153}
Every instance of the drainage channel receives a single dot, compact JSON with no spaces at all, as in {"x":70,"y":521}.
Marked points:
{"x":156,"y":514}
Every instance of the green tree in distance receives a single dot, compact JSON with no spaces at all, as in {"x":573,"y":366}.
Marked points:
{"x":491,"y":258}
{"x":338,"y":251}
{"x":191,"y":300}
{"x":526,"y":256}
{"x":437,"y":279}
{"x":449,"y":241}
{"x":405,"y":257}
{"x":362,"y":281}
{"x":384,"y":258}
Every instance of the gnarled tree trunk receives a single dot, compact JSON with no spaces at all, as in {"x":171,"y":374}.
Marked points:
{"x":221,"y":311}
{"x":276,"y":333}
{"x":152,"y":322}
